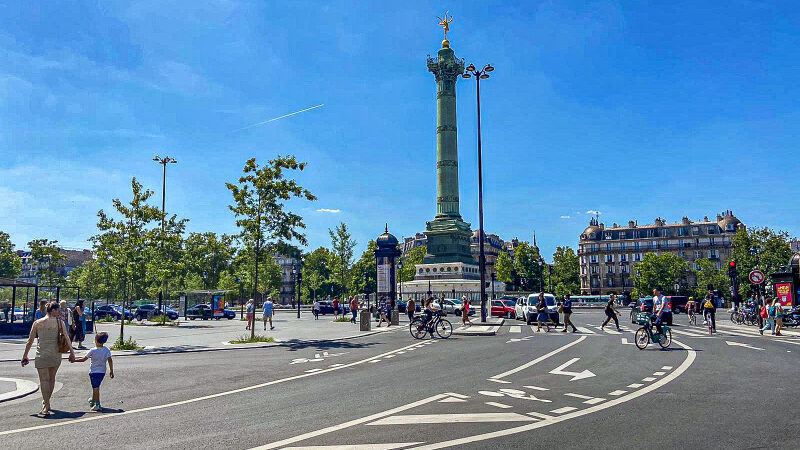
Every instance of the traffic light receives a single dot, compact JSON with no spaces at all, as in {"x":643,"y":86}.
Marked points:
{"x":732,"y":269}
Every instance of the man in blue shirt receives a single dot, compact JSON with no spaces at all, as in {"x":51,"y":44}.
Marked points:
{"x":661,"y":308}
{"x":566,"y":309}
{"x":268,"y":308}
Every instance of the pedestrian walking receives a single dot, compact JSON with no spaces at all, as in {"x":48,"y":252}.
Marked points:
{"x":779,"y":314}
{"x":63,"y":313}
{"x":465,"y":311}
{"x":42,"y":311}
{"x":315,"y":309}
{"x":566,"y":309}
{"x":769,"y":308}
{"x":76,"y":330}
{"x":51,"y":341}
{"x":541,"y":317}
{"x":384,"y":314}
{"x":410,"y":309}
{"x":268,"y":309}
{"x":99,"y":355}
{"x":710,"y":311}
{"x":354,"y":308}
{"x":250,"y":307}
{"x":335,"y":308}
{"x":611,"y":314}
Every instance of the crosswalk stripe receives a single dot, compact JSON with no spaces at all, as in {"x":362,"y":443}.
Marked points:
{"x":498,"y":405}
{"x":515,"y":329}
{"x":585,"y":330}
{"x":686,"y":333}
{"x":609,"y":331}
{"x":581,"y":396}
{"x":387,"y":446}
{"x":563,"y":410}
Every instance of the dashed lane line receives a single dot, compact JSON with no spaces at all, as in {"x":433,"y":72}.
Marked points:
{"x":563,"y":410}
{"x":409,"y":419}
{"x":691,"y":355}
{"x":205,"y":397}
{"x":617,"y":392}
{"x":498,"y":405}
{"x":635,"y":385}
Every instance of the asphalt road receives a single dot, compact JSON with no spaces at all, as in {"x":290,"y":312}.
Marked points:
{"x":518,"y":389}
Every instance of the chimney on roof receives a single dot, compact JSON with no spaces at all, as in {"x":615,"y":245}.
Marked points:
{"x":631,"y":224}
{"x":719,"y":217}
{"x":602,"y":226}
{"x":615,"y":225}
{"x":705,"y":219}
{"x":686,"y":220}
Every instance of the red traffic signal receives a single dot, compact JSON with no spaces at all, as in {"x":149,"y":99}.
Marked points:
{"x":732,"y":264}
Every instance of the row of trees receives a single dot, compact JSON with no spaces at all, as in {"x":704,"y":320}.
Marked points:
{"x":528,"y":270}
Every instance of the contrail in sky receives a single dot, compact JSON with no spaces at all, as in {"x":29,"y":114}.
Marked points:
{"x":279,"y":117}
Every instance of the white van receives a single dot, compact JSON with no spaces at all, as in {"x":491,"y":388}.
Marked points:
{"x":526,"y":308}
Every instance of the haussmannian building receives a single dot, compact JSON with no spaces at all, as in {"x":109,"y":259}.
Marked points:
{"x":608,"y":256}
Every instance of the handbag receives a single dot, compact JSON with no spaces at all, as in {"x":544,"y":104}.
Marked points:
{"x":63,"y":342}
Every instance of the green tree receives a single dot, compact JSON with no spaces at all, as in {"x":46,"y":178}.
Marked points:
{"x":365,"y":266}
{"x":10,"y":263}
{"x":316,"y":271}
{"x":759,"y":247}
{"x":91,"y":278}
{"x":164,"y":257}
{"x":209,"y":254}
{"x":566,"y":271}
{"x":526,"y":266}
{"x":504,"y":267}
{"x":343,"y":245}
{"x":49,"y":259}
{"x":414,"y":256}
{"x":664,"y":271}
{"x":709,"y":275}
{"x":259,"y":206}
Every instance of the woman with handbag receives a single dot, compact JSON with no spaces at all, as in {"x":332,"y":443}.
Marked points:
{"x":51,"y":342}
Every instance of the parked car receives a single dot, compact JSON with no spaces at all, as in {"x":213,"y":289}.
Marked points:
{"x":453,"y":306}
{"x":201,"y":311}
{"x":128,"y":312}
{"x":326,"y":307}
{"x":525,"y":309}
{"x":171,"y":313}
{"x":504,"y":308}
{"x":147,"y":310}
{"x":103,"y":311}
{"x":19,"y":313}
{"x":229,"y":314}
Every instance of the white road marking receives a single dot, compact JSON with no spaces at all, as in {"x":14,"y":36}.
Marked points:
{"x":375,"y":361}
{"x":491,"y":393}
{"x":575,"y":375}
{"x":585,"y":330}
{"x":540,"y":415}
{"x":453,"y":394}
{"x":499,"y":381}
{"x":349,"y":424}
{"x":686,"y":333}
{"x":610,"y":331}
{"x":390,"y":356}
{"x":205,"y":397}
{"x":336,"y":365}
{"x":658,"y":374}
{"x":625,"y":342}
{"x":617,"y":392}
{"x":389,"y":446}
{"x":584,"y":397}
{"x":516,"y":329}
{"x":537,"y":388}
{"x":563,"y":410}
{"x":539,"y":359}
{"x":513,"y":391}
{"x":413,"y":419}
{"x":691,"y":355}
{"x":594,"y":401}
{"x":452,"y":400}
{"x":648,"y":379}
{"x":666,"y":368}
{"x":312,"y":370}
{"x":635,"y":385}
{"x":498,"y":405}
{"x":739,"y":344}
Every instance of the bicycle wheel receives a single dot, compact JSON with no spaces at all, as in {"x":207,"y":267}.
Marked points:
{"x":642,"y":338}
{"x":734,"y":317}
{"x":417,"y":329}
{"x":665,"y":339}
{"x":444,"y":329}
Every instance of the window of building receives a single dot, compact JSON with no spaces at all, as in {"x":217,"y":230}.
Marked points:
{"x":610,"y":269}
{"x":730,"y":227}
{"x":622,"y":235}
{"x":696,"y":231}
{"x":712,"y":230}
{"x":713,"y":254}
{"x":665,"y":233}
{"x":637,"y":257}
{"x":610,"y":282}
{"x":653,"y":244}
{"x":712,"y":241}
{"x":623,"y":258}
{"x":609,"y":246}
{"x":609,"y":258}
{"x":593,"y":258}
{"x":622,"y":245}
{"x":608,"y":235}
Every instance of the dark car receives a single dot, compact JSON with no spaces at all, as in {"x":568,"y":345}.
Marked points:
{"x":200,"y":311}
{"x":678,"y":303}
{"x":325,"y":307}
{"x":402,"y":306}
{"x":146,"y":311}
{"x":229,"y":314}
{"x":128,"y":312}
{"x":171,"y":313}
{"x":103,"y":311}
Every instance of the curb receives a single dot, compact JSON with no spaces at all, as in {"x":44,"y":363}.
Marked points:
{"x":24,"y":388}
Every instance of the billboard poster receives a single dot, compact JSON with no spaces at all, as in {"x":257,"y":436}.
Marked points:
{"x":784,"y":293}
{"x":383,"y":274}
{"x":218,"y":305}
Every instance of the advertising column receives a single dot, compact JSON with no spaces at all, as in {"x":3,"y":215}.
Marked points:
{"x":384,"y":283}
{"x":783,"y":292}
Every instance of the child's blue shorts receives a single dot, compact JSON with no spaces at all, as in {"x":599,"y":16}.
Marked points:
{"x":96,"y":378}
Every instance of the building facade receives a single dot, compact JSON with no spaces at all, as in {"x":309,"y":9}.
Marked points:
{"x":31,"y":268}
{"x":492,"y":246}
{"x":795,"y":245}
{"x":608,"y":256}
{"x":410,"y":243}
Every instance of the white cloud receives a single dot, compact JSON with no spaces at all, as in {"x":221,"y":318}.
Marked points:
{"x":328,"y":210}
{"x":565,"y":217}
{"x":593,"y":212}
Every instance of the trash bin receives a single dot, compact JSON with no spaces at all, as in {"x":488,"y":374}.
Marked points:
{"x":395,"y":317}
{"x":366,"y":324}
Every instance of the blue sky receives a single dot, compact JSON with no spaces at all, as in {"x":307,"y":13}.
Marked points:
{"x":633,"y":109}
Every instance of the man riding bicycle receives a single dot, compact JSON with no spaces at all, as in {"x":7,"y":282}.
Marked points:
{"x":430,"y":308}
{"x":662,"y":309}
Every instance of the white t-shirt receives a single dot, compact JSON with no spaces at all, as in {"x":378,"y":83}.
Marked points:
{"x":98,"y":356}
{"x":657,"y":304}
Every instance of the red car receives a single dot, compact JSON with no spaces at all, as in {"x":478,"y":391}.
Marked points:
{"x":503,"y":308}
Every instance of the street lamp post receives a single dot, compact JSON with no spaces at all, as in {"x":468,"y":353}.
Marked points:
{"x":550,"y":279}
{"x":493,"y":278}
{"x":400,"y":270}
{"x":541,"y":275}
{"x":163,"y":161}
{"x":299,"y":282}
{"x":479,"y":75}
{"x":366,"y":288}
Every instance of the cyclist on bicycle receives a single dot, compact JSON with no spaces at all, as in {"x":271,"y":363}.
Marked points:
{"x":430,"y":308}
{"x":709,"y":310}
{"x":662,"y":309}
{"x":690,"y":309}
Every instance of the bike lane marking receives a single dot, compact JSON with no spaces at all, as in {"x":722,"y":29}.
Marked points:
{"x":690,"y":358}
{"x":205,"y":397}
{"x":539,"y":359}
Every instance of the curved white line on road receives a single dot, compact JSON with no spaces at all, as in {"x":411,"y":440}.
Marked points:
{"x":537,"y":360}
{"x":690,"y":357}
{"x":205,"y":397}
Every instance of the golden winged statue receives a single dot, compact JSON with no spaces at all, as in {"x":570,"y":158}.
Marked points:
{"x":445,"y":23}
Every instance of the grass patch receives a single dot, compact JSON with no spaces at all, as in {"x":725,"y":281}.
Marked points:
{"x":130,"y":344}
{"x":342,"y":319}
{"x":162,"y":320}
{"x":246,"y":339}
{"x":106,"y":319}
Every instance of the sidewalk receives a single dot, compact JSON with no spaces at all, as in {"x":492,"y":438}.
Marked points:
{"x":14,"y":388}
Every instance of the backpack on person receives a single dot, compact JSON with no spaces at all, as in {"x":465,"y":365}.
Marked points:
{"x":708,"y":304}
{"x":764,"y":312}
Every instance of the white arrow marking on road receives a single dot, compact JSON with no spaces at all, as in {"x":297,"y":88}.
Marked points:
{"x":575,"y":375}
{"x":739,"y":344}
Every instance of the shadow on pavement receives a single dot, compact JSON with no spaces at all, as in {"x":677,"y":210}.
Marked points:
{"x":295,"y":345}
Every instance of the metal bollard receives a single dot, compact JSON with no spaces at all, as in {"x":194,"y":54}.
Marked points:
{"x":366,"y":323}
{"x":395,"y":317}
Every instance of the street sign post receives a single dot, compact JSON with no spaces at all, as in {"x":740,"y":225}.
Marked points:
{"x":756,"y":276}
